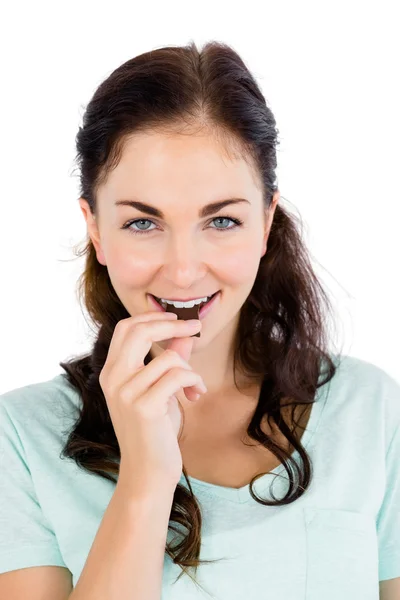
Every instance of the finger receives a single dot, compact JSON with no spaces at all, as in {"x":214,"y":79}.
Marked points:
{"x":124,"y":327}
{"x":184,"y":347}
{"x":129,"y":357}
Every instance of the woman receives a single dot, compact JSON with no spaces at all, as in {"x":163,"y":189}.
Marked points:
{"x":282,"y":479}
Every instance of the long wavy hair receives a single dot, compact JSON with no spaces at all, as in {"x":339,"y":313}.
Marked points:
{"x":281,"y":338}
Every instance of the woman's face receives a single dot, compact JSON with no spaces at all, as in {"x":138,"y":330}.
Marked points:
{"x":182,"y":254}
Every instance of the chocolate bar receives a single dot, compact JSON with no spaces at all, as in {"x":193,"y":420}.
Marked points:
{"x":186,"y":313}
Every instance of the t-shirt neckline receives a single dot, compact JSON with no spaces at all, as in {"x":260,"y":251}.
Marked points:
{"x":278,"y":475}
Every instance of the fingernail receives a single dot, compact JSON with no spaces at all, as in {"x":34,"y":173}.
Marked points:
{"x":193,"y":322}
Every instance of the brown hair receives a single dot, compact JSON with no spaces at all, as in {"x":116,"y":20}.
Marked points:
{"x":280,"y":338}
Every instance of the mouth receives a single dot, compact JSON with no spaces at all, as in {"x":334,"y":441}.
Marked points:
{"x":201,"y":305}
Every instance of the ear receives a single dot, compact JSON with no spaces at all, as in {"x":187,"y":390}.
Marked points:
{"x":269,"y":217}
{"x":93,"y":230}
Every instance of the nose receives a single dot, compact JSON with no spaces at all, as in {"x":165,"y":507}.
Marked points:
{"x":183,"y":263}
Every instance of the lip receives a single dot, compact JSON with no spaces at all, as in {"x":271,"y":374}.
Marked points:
{"x":189,"y":299}
{"x":156,"y":305}
{"x":206,"y":309}
{"x":203,"y":312}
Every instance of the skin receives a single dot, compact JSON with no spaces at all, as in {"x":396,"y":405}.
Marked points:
{"x":183,"y":256}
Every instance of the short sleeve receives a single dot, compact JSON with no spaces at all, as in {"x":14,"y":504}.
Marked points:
{"x":388,"y":520}
{"x":26,"y":537}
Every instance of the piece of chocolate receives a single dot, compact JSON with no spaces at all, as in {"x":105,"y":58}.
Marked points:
{"x":186,"y":313}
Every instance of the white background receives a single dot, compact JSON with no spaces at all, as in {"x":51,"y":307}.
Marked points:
{"x":329,"y":72}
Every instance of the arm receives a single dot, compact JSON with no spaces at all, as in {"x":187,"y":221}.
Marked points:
{"x":389,"y":589}
{"x":127,"y":555}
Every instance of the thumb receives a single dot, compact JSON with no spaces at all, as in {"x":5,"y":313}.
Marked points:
{"x":183,"y":346}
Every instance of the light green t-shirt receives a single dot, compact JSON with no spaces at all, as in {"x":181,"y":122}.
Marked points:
{"x":336,"y":542}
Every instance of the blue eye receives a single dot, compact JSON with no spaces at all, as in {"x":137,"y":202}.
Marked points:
{"x":127,"y":225}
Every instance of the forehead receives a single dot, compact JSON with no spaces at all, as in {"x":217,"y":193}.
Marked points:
{"x":156,"y":164}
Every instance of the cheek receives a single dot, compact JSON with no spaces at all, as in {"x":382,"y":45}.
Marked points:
{"x":128,"y":269}
{"x":239,"y":265}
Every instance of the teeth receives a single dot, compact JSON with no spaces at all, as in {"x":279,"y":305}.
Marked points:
{"x":185,"y":304}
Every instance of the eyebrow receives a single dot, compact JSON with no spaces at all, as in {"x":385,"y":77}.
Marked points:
{"x":205,"y":211}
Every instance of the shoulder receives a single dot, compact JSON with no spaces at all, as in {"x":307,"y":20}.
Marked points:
{"x":366,"y":393}
{"x":34,"y":405}
{"x":355,"y":368}
{"x":368,"y":379}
